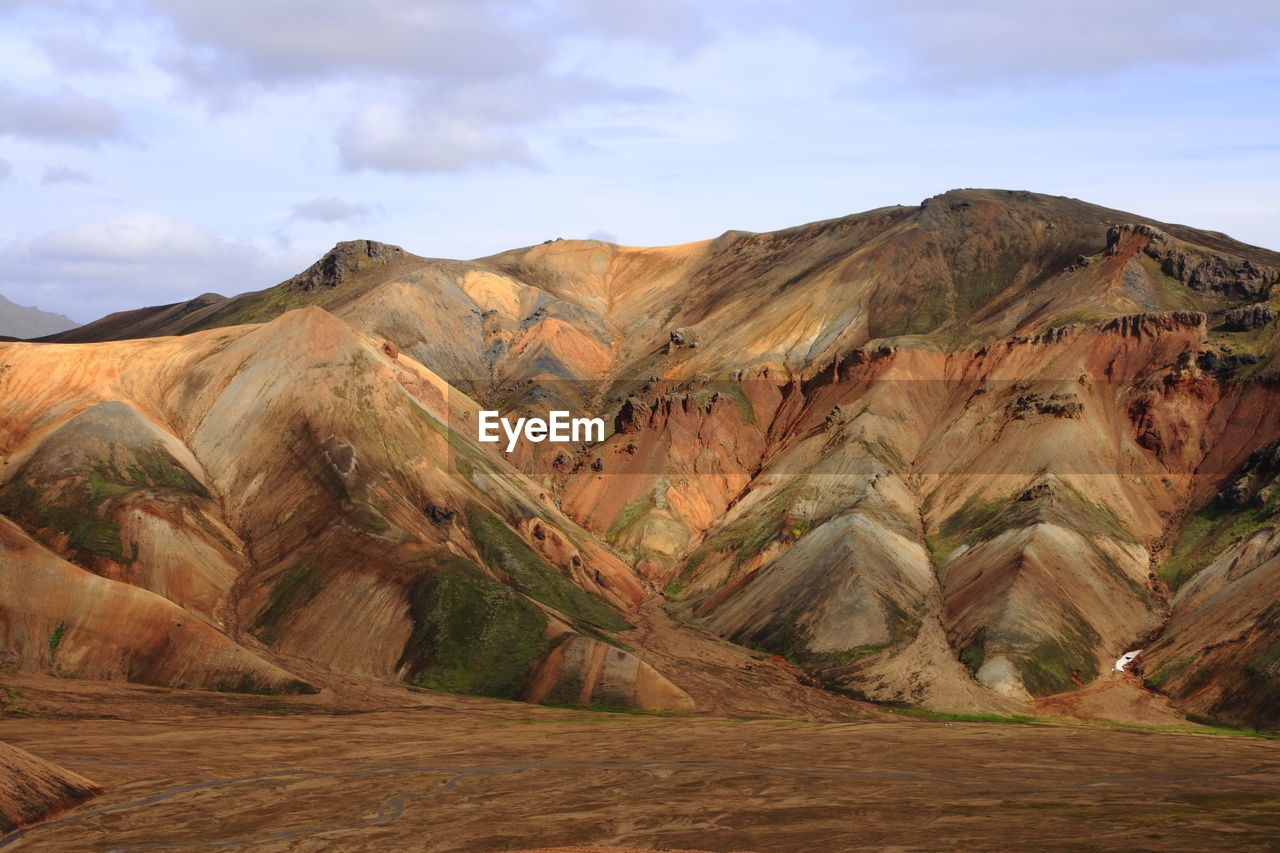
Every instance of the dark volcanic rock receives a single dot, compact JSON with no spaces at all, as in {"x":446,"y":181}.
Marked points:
{"x":1213,"y":361}
{"x":1249,"y":317}
{"x":1036,"y":492}
{"x":1256,"y":480}
{"x":439,"y":514}
{"x":1234,"y":278}
{"x":342,"y":261}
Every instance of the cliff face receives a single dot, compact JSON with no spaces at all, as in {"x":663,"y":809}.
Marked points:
{"x":962,"y":455}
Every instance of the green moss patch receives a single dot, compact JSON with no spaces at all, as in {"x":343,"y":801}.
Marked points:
{"x":1052,"y":663}
{"x":980,"y":520}
{"x":73,"y":512}
{"x":519,"y":565}
{"x":1207,"y":534}
{"x":629,"y":515}
{"x":785,"y":637}
{"x":1168,"y":672}
{"x":79,"y":504}
{"x":974,"y":653}
{"x":471,"y":634}
{"x":55,"y":639}
{"x":751,"y":534}
{"x":295,"y":587}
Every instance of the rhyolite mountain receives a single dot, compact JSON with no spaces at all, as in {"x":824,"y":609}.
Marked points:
{"x":17,"y":321}
{"x":960,"y":455}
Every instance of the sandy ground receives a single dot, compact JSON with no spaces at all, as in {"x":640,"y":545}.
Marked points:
{"x":199,"y":771}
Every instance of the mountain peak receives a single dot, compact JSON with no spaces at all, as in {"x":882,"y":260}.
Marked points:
{"x":344,"y":260}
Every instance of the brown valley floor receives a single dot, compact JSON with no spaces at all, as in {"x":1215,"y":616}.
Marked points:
{"x":200,"y":771}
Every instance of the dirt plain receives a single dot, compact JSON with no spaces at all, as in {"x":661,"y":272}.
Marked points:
{"x":187,"y":770}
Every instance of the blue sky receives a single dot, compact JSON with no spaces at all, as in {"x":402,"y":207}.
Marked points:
{"x":153,"y":150}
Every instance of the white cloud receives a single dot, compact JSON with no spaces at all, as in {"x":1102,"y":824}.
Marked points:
{"x":60,"y":117}
{"x":64,"y":116}
{"x":6,"y":169}
{"x":270,"y":41}
{"x":133,"y":238}
{"x":680,"y":25}
{"x":385,"y":138}
{"x":329,"y":209}
{"x":138,"y":258}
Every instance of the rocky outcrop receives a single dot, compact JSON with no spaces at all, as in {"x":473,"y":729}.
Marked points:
{"x":1249,"y":317}
{"x":343,"y":261}
{"x":683,"y":337}
{"x":1154,"y":323}
{"x":1058,"y":405}
{"x":1233,"y":278}
{"x":1256,"y":481}
{"x":1220,"y":360}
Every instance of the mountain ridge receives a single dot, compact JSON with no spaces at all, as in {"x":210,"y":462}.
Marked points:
{"x":20,"y":323}
{"x":961,"y":455}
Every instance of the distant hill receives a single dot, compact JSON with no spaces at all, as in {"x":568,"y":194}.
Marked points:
{"x":19,"y":322}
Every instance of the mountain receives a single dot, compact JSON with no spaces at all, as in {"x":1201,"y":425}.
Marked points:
{"x":960,"y":455}
{"x":21,"y":323}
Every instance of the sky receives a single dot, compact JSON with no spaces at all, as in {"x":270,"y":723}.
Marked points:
{"x":155,"y":150}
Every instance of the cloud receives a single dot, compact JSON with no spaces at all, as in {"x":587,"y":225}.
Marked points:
{"x":273,"y":41}
{"x":329,"y":209}
{"x":64,"y":116}
{"x":951,"y":45}
{"x":66,"y":175}
{"x":6,"y":169}
{"x":127,"y":239}
{"x":679,"y":25}
{"x":137,"y":258}
{"x":472,"y":125}
{"x":73,"y":55}
{"x":385,"y":138}
{"x":440,"y":87}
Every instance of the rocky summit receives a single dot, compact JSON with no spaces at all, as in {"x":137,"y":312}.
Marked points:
{"x":959,"y":456}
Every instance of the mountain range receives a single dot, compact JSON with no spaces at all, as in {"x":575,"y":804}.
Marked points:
{"x":19,"y":322}
{"x":961,"y":455}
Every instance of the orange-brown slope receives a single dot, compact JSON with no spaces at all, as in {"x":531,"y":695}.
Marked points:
{"x":56,"y":617}
{"x":364,"y":528}
{"x":32,"y":789}
{"x":1009,"y":492}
